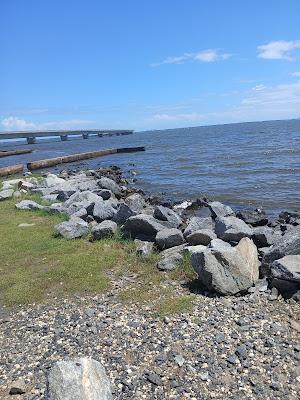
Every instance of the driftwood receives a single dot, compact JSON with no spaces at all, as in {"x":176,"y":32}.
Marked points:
{"x":12,"y":169}
{"x":50,"y":162}
{"x":6,"y":153}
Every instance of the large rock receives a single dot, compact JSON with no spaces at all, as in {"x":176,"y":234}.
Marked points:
{"x":255,"y":218}
{"x":289,"y":244}
{"x":227,"y":270}
{"x":104,"y":229}
{"x":144,"y":225}
{"x":198,"y":223}
{"x":167,"y":238}
{"x":287,"y":268}
{"x":6,"y":194}
{"x":232,"y":229}
{"x":220,"y":210}
{"x":28,"y":205}
{"x":171,"y":258}
{"x":72,"y":229}
{"x":123,"y":213}
{"x":78,"y":197}
{"x":136,"y":202}
{"x":103,"y":210}
{"x":79,"y":379}
{"x":143,"y":248}
{"x":53,"y":180}
{"x":107,"y":183}
{"x":202,"y":236}
{"x":167,"y":214}
{"x":264,"y":236}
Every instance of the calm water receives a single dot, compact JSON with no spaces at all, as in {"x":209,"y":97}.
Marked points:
{"x":247,"y":164}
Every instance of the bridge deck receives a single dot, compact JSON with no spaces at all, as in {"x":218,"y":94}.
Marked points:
{"x":63,"y":133}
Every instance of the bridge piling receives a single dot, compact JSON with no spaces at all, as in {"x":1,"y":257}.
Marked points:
{"x":31,"y":140}
{"x":85,"y":135}
{"x":63,"y":138}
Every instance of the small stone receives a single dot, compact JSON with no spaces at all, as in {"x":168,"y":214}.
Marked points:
{"x":17,"y":387}
{"x":179,"y":360}
{"x":154,"y":378}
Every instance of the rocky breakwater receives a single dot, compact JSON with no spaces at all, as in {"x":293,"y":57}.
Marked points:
{"x":232,"y":252}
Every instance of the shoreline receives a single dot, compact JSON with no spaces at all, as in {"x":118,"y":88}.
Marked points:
{"x":148,"y":325}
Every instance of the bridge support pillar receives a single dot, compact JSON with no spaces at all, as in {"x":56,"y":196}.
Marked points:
{"x":85,"y":135}
{"x":31,"y":140}
{"x":100,"y":134}
{"x":63,"y":138}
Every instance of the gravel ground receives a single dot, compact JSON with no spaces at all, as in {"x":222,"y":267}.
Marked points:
{"x":225,"y":348}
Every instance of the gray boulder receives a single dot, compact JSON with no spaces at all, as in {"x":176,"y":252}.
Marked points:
{"x":287,"y":268}
{"x":143,"y":248}
{"x":72,"y":229}
{"x":136,"y":202}
{"x":104,"y":229}
{"x":198,"y":223}
{"x":218,"y":209}
{"x":167,"y":238}
{"x":227,"y":270}
{"x":264,"y":236}
{"x":107,"y":183}
{"x":289,"y":244}
{"x":219,"y":244}
{"x":105,"y":194}
{"x":142,"y":224}
{"x":78,"y":197}
{"x":232,"y":229}
{"x":28,"y":205}
{"x":170,"y":262}
{"x":167,"y":214}
{"x":103,"y":211}
{"x":79,"y":379}
{"x":123,"y":213}
{"x":53,"y":180}
{"x":6,"y":194}
{"x":202,"y":236}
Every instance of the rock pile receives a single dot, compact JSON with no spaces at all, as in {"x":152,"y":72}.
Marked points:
{"x":229,"y":251}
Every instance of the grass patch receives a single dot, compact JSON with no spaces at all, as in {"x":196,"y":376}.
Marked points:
{"x":175,"y":305}
{"x":37,"y":267}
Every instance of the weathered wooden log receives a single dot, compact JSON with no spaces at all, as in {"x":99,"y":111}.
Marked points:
{"x":12,"y":169}
{"x":6,"y":153}
{"x":50,"y":162}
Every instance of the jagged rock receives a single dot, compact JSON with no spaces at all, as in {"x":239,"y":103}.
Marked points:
{"x":264,"y":236}
{"x":107,"y":183}
{"x":169,"y":262}
{"x":81,"y":213}
{"x":10,"y":184}
{"x":103,"y":211}
{"x":28,"y":205}
{"x":142,"y":224}
{"x":123,"y":213}
{"x":232,"y":229}
{"x":167,"y":214}
{"x":289,"y":244}
{"x":136,"y":202}
{"x":227,"y":270}
{"x":219,"y":244}
{"x":143,"y":248}
{"x":6,"y":194}
{"x":287,"y":268}
{"x":196,"y":224}
{"x":55,"y":208}
{"x":74,"y":228}
{"x":53,"y":180}
{"x":78,"y":197}
{"x":167,"y":238}
{"x":79,"y":379}
{"x":104,"y":229}
{"x":202,"y":236}
{"x":257,"y":217}
{"x":220,"y":210}
{"x":105,"y":194}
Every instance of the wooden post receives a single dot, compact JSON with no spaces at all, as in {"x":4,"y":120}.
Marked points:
{"x":13,"y":169}
{"x":50,"y":162}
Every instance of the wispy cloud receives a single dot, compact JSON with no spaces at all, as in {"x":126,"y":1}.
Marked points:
{"x":278,"y":50}
{"x":206,"y":56}
{"x":296,"y":74}
{"x":178,"y":117}
{"x":16,"y":123}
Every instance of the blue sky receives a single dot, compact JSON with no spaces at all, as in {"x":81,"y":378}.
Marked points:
{"x":147,"y":64}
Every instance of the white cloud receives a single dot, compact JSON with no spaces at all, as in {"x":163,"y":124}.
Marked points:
{"x":15,"y":123}
{"x":177,"y":117}
{"x":278,"y":50}
{"x":296,"y":74}
{"x":206,"y":56}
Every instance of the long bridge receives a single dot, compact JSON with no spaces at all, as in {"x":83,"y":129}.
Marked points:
{"x":32,"y":135}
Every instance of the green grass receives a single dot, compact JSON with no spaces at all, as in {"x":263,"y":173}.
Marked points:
{"x":175,"y":305}
{"x":37,"y":267}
